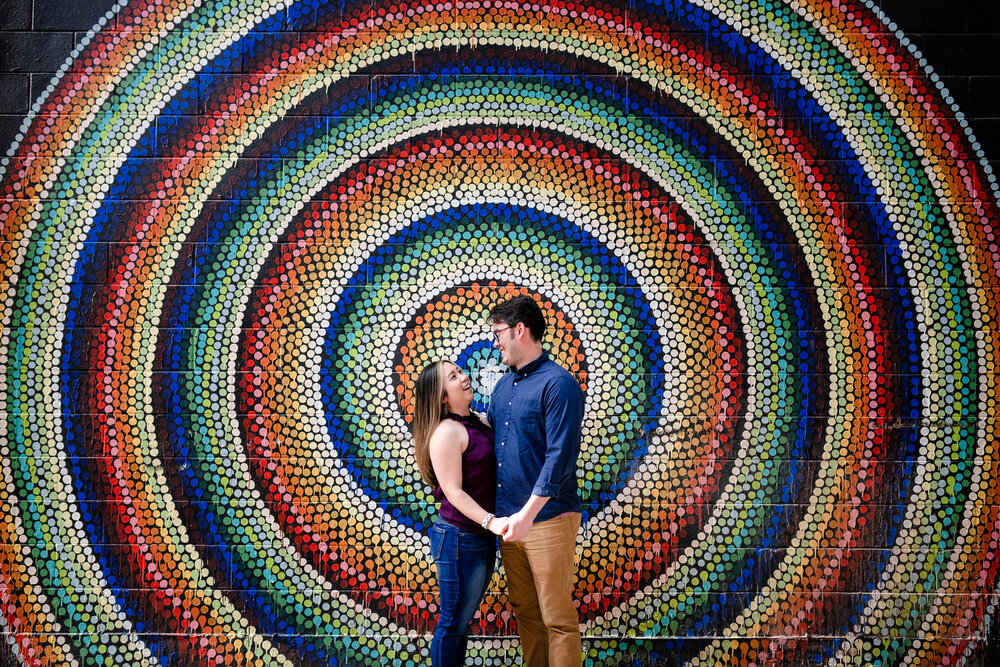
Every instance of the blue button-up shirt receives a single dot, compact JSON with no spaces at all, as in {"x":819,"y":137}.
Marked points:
{"x":537,"y":412}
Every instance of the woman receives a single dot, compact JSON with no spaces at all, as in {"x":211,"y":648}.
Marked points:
{"x":454,"y":452}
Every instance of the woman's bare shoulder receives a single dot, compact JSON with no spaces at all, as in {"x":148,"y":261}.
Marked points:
{"x":449,"y":433}
{"x":449,"y":428}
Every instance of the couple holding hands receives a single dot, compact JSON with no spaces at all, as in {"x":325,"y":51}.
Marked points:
{"x":511,"y":474}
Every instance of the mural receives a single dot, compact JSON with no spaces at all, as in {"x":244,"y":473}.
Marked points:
{"x":233,"y":231}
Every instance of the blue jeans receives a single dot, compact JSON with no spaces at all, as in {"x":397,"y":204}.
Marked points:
{"x":465,"y":562}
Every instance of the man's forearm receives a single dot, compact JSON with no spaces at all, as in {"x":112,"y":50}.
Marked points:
{"x":533,"y":507}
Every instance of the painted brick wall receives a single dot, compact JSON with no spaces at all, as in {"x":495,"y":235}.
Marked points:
{"x":764,"y":240}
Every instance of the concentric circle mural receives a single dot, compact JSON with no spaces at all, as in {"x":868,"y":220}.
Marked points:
{"x":233,"y":232}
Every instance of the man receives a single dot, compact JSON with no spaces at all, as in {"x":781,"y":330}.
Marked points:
{"x":537,"y":412}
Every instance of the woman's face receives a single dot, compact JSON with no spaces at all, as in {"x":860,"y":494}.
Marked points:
{"x":457,"y":388}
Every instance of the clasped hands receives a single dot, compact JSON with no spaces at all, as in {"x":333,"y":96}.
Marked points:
{"x":512,"y":528}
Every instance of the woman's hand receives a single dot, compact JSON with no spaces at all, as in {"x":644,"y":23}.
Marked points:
{"x":498,"y":525}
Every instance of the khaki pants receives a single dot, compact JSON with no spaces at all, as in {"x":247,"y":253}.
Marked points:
{"x":540,"y":576}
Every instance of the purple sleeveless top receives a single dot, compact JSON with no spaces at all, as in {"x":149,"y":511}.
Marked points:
{"x":479,"y":474}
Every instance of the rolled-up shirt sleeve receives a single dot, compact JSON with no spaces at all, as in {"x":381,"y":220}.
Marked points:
{"x":562,"y":415}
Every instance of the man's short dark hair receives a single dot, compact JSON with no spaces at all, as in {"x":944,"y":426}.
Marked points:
{"x":520,"y":309}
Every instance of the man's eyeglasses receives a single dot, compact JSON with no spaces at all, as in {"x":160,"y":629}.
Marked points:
{"x":496,"y":333}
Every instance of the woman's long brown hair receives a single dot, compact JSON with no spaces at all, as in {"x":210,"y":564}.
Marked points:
{"x":428,"y":398}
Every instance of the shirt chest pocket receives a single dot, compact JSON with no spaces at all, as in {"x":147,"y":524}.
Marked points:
{"x":528,"y":415}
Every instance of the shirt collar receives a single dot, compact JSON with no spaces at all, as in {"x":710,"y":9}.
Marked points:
{"x":528,"y":368}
